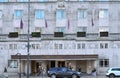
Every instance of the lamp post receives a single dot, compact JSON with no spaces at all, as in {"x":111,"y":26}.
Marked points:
{"x":28,"y":39}
{"x":19,"y":56}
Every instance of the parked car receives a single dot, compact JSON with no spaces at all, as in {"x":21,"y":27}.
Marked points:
{"x":113,"y":72}
{"x":2,"y":76}
{"x":63,"y":72}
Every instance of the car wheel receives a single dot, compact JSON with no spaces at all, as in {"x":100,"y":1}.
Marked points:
{"x":53,"y":76}
{"x":112,"y":76}
{"x":74,"y":76}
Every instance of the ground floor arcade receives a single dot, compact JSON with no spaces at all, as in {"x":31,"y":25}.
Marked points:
{"x":42,"y":63}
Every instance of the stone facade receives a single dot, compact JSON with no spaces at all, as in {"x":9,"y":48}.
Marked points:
{"x":107,"y":48}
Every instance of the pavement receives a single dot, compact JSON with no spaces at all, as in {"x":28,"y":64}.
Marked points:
{"x":99,"y":76}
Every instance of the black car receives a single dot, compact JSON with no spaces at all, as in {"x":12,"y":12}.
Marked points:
{"x":63,"y":72}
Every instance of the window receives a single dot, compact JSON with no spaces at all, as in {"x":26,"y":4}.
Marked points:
{"x":12,"y":63}
{"x":60,"y":14}
{"x":103,"y":45}
{"x":39,"y":14}
{"x":104,"y":62}
{"x":0,"y":14}
{"x":42,"y":0}
{"x":103,"y":13}
{"x":58,"y":46}
{"x":82,"y":14}
{"x":3,"y":0}
{"x":18,"y":14}
{"x":22,"y":0}
{"x":82,"y":0}
{"x":60,"y":29}
{"x":12,"y":46}
{"x":81,"y":46}
{"x":103,"y":0}
{"x":35,"y":46}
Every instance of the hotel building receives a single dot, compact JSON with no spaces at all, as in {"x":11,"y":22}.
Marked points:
{"x":62,"y":33}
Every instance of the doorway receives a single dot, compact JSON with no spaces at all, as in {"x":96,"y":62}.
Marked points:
{"x":52,"y":64}
{"x":61,"y":63}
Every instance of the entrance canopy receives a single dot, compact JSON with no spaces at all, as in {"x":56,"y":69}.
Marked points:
{"x":56,"y":57}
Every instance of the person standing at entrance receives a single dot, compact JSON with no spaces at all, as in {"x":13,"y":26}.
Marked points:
{"x":79,"y":69}
{"x":94,"y":72}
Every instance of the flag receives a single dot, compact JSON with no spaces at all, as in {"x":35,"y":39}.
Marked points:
{"x":68,"y":24}
{"x":92,"y":22}
{"x":46,"y":23}
{"x":21,"y":24}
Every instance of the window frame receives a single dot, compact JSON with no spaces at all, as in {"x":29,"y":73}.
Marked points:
{"x":3,"y":0}
{"x":104,"y":62}
{"x":82,"y":14}
{"x":81,"y":46}
{"x":14,"y":62}
{"x":58,"y":46}
{"x":18,"y":14}
{"x":39,"y":14}
{"x":42,"y":0}
{"x":22,"y":0}
{"x":104,"y":45}
{"x":60,"y":14}
{"x":103,"y":14}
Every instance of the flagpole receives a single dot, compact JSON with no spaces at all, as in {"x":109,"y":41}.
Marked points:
{"x":28,"y":46}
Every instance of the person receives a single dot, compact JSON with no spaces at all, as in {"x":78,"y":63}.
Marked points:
{"x":79,"y":69}
{"x":94,"y":72}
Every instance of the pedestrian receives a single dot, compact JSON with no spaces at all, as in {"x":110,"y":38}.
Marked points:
{"x":79,"y":69}
{"x":94,"y":72}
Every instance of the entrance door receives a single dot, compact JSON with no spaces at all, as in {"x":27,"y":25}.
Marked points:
{"x":33,"y":69}
{"x":61,"y":63}
{"x":52,"y":64}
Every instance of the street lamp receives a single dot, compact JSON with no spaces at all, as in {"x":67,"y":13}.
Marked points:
{"x":28,"y":47}
{"x":19,"y":56}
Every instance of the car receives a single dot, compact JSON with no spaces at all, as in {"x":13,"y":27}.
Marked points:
{"x":113,"y":72}
{"x":63,"y":72}
{"x":2,"y":76}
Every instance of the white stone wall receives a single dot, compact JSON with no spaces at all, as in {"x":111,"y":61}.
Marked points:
{"x":69,"y":47}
